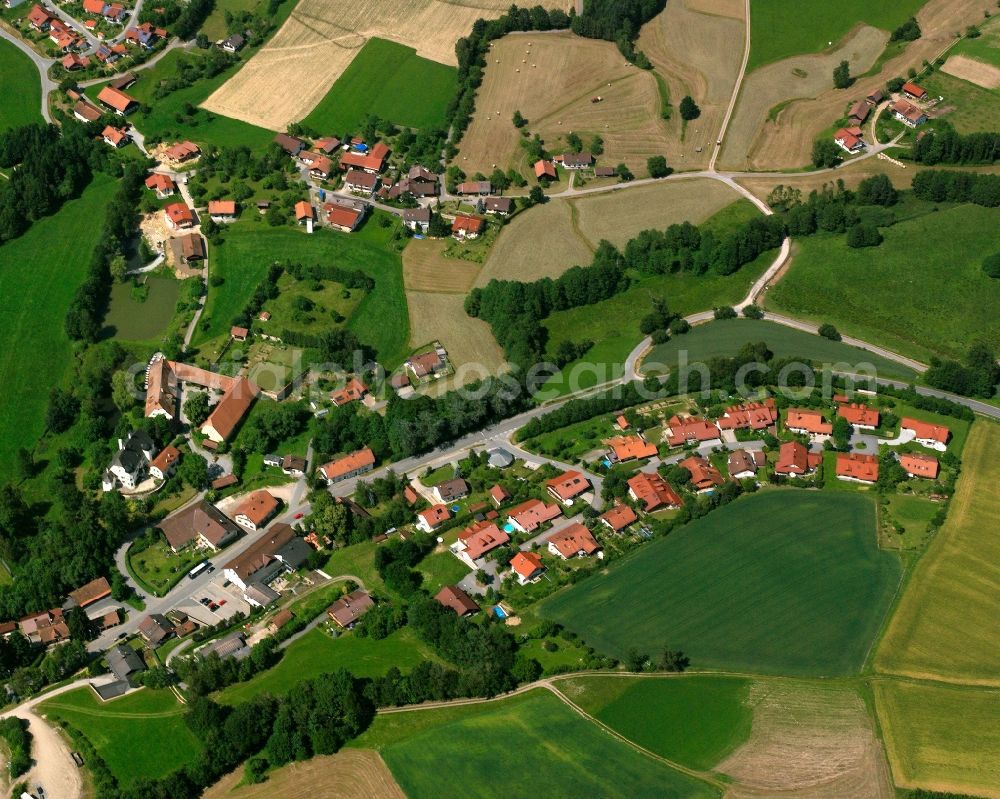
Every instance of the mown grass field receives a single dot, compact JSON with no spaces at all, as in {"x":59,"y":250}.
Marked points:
{"x":531,"y":745}
{"x":214,"y":26}
{"x":904,"y":294}
{"x":945,"y":625}
{"x":138,"y":321}
{"x":317,"y":653}
{"x":775,"y":33}
{"x":726,"y":337}
{"x":760,"y":585}
{"x":20,"y":107}
{"x":380,"y":319}
{"x":941,"y":737}
{"x":39,"y":275}
{"x":142,"y":735}
{"x":967,"y":107}
{"x":391,"y":81}
{"x":693,"y":720}
{"x":440,"y":569}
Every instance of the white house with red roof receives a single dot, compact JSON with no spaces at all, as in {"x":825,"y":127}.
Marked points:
{"x":527,"y":567}
{"x":432,"y":518}
{"x":927,"y":434}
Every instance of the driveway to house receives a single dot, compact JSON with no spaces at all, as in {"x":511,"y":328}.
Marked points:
{"x":42,"y":64}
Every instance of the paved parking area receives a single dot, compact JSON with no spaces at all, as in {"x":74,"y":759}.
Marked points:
{"x":228,"y":600}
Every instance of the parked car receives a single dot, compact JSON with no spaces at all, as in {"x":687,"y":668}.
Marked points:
{"x":204,"y":600}
{"x":299,"y":515}
{"x":222,"y":602}
{"x":212,"y":606}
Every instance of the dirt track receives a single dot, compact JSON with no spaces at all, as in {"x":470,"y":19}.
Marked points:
{"x":54,"y":767}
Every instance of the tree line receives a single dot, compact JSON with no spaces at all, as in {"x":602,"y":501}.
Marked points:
{"x":945,"y":145}
{"x":960,"y":187}
{"x":617,"y":21}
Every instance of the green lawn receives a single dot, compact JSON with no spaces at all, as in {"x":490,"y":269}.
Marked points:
{"x":357,"y":560}
{"x":575,"y":440}
{"x":905,"y":293}
{"x":567,"y":654}
{"x":160,"y":567}
{"x":317,"y":653}
{"x":782,"y":582}
{"x":726,"y":337}
{"x":391,"y":81}
{"x":913,"y":513}
{"x":614,"y":323}
{"x":440,"y":569}
{"x":380,"y":319}
{"x":971,"y":108}
{"x":530,"y":745}
{"x":20,"y":107}
{"x":329,"y":304}
{"x":777,"y":29}
{"x":140,"y":321}
{"x":985,"y":47}
{"x":215,"y":26}
{"x":41,"y":271}
{"x":142,"y":735}
{"x":693,"y":720}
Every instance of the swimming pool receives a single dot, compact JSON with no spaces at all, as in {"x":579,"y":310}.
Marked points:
{"x":509,"y":527}
{"x":499,"y":611}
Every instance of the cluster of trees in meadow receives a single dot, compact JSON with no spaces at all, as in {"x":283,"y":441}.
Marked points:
{"x":203,"y":675}
{"x":181,"y":19}
{"x":960,"y":187}
{"x":945,"y":145}
{"x":617,"y":21}
{"x":976,"y":375}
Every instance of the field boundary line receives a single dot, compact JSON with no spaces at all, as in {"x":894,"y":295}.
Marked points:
{"x":717,"y":148}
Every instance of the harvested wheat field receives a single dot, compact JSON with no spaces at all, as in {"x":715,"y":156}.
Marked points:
{"x":985,"y":75}
{"x":697,"y":47}
{"x":471,"y":347}
{"x":787,"y":140}
{"x":320,"y":39}
{"x":789,"y":79}
{"x":547,"y":241}
{"x":807,"y":741}
{"x":345,"y":775}
{"x":426,"y":268}
{"x":551,"y":78}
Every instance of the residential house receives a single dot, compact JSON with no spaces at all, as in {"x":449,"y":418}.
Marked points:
{"x":343,"y":216}
{"x":117,"y":101}
{"x":182,"y":152}
{"x":304,"y":212}
{"x":576,"y":160}
{"x":690,"y":430}
{"x":567,"y":486}
{"x":272,"y":460}
{"x":859,"y":415}
{"x":653,"y":491}
{"x":849,"y":139}
{"x":230,"y":410}
{"x":320,"y":166}
{"x":155,"y":629}
{"x":932,"y":436}
{"x":39,"y":18}
{"x":451,"y":490}
{"x":629,"y":448}
{"x":256,"y":510}
{"x":47,"y":627}
{"x":545,"y":169}
{"x":188,"y":248}
{"x":354,"y":391}
{"x":328,"y":144}
{"x":501,"y":206}
{"x":499,"y":495}
{"x":130,"y":463}
{"x":532,"y":514}
{"x":914,"y":91}
{"x":573,"y":541}
{"x":808,"y":422}
{"x":222,"y":211}
{"x":618,"y":518}
{"x":145,"y":35}
{"x":85,"y":112}
{"x":743,"y":463}
{"x":453,"y":597}
{"x":75,"y":61}
{"x":410,"y":495}
{"x":417,"y":219}
{"x":907,"y":113}
{"x":432,"y":518}
{"x":750,"y":416}
{"x":368,"y":162}
{"x":478,"y":539}
{"x":875,"y":97}
{"x":605,"y":172}
{"x":795,"y":460}
{"x":467,"y":227}
{"x":360,"y":182}
{"x":237,"y":333}
{"x":426,"y":364}
{"x":527,"y":567}
{"x":114,"y":13}
{"x":704,"y":476}
{"x":162,"y":466}
{"x":178,"y":216}
{"x":857,"y":467}
{"x":919,"y":465}
{"x":358,"y":462}
{"x":233,"y":43}
{"x":91,"y":592}
{"x":124,"y":662}
{"x":290,"y":144}
{"x":474,"y":188}
{"x":859,"y":112}
{"x":621,"y":423}
{"x":277,"y":551}
{"x":201,"y":524}
{"x":163,"y":185}
{"x":348,"y":609}
{"x":161,"y":389}
{"x":232,"y":646}
{"x":115,"y":137}
{"x":294,"y":466}
{"x":500,"y":458}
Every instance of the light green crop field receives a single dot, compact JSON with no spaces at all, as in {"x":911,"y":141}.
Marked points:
{"x":904,"y":293}
{"x":781,"y":582}
{"x":941,"y":737}
{"x":317,"y":653}
{"x":694,"y":720}
{"x":945,"y":624}
{"x":531,"y":745}
{"x":726,"y":337}
{"x":391,"y":81}
{"x":38,"y":277}
{"x":380,"y":319}
{"x":142,"y":735}
{"x":19,"y":107}
{"x":777,"y":28}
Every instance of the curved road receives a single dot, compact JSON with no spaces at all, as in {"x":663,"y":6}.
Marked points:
{"x":42,"y":64}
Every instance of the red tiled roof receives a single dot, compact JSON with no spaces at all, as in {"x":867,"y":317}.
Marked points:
{"x":118,"y":100}
{"x":795,"y":458}
{"x":91,"y":592}
{"x":926,"y":430}
{"x":166,"y":459}
{"x":533,"y":514}
{"x":451,"y":596}
{"x":572,"y":540}
{"x":914,"y":90}
{"x":808,"y":420}
{"x":619,"y":517}
{"x":703,"y":474}
{"x":160,"y":182}
{"x":857,"y":466}
{"x":468,"y":224}
{"x":482,"y":537}
{"x":339,"y":216}
{"x":179,"y":214}
{"x":568,"y":485}
{"x":361,"y":161}
{"x":114,"y":135}
{"x":258,"y":507}
{"x":498,"y":493}
{"x":859,"y":414}
{"x":681,"y":431}
{"x":303,"y":210}
{"x":354,"y":390}
{"x":231,"y":408}
{"x":919,"y":465}
{"x":750,"y":416}
{"x":545,"y":169}
{"x":526,"y":564}
{"x":653,"y":491}
{"x":435,"y":515}
{"x":349,"y":463}
{"x":181,"y":150}
{"x":222,"y":207}
{"x":628,"y":448}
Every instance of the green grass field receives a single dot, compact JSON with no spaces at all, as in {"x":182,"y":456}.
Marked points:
{"x":530,"y":745}
{"x":40,"y":273}
{"x":782,"y":582}
{"x":140,"y":321}
{"x":940,"y":737}
{"x":317,"y":653}
{"x":945,"y":624}
{"x":776,"y":33}
{"x":391,"y":81}
{"x":985,"y":47}
{"x":215,"y":26}
{"x":904,"y":294}
{"x":693,"y":720}
{"x":19,"y":107}
{"x":613,"y":324}
{"x":357,"y":560}
{"x":380,"y":319}
{"x":440,"y":569}
{"x":142,"y":735}
{"x":726,"y":337}
{"x":970,"y":108}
